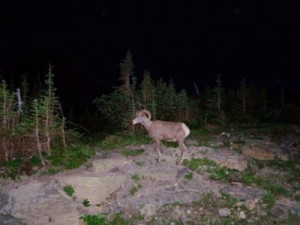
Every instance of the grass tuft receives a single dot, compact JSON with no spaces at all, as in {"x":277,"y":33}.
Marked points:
{"x":127,"y":153}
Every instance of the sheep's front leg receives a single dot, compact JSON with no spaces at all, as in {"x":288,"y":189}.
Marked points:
{"x":157,"y":147}
{"x":183,"y":150}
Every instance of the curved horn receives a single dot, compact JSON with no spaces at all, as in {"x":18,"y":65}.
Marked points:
{"x":146,"y":113}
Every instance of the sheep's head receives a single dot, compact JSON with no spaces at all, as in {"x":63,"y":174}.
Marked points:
{"x":142,"y":115}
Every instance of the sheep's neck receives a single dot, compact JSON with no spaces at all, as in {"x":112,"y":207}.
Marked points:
{"x":146,"y":124}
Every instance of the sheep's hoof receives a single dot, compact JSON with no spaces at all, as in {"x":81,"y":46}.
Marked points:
{"x":159,"y":158}
{"x":179,"y":162}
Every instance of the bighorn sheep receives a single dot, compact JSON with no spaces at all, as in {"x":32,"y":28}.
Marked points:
{"x":163,"y":131}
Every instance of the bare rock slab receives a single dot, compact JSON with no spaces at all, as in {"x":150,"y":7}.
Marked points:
{"x":94,"y":188}
{"x":106,"y":165}
{"x":228,"y":159}
{"x":167,"y":176}
{"x":148,"y":211}
{"x":259,"y":153}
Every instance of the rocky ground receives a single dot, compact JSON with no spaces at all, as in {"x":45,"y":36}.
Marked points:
{"x":244,"y":178}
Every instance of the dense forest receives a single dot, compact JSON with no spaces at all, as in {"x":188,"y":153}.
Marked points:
{"x":215,"y":107}
{"x":33,"y":124}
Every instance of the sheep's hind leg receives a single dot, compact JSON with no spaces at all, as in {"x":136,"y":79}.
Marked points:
{"x":157,"y":147}
{"x":183,"y":150}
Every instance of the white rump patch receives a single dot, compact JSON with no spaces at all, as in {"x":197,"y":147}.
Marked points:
{"x":186,"y":129}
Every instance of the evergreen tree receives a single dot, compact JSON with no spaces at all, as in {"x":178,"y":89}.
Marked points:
{"x":24,"y":90}
{"x":37,"y":133}
{"x":161,"y":100}
{"x":146,"y":88}
{"x":282,"y":98}
{"x":171,"y":103}
{"x":165,"y":100}
{"x":215,"y":113}
{"x":8,"y":120}
{"x":126,"y":67}
{"x":147,"y":94}
{"x":242,"y":94}
{"x":114,"y":109}
{"x":182,"y":106}
{"x":218,"y":91}
{"x":119,"y":107}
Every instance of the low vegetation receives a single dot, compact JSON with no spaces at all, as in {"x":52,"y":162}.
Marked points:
{"x":86,"y":202}
{"x":69,"y":190}
{"x":136,"y":178}
{"x":285,"y":186}
{"x":116,"y":219}
{"x":207,"y":210}
{"x":33,"y":133}
{"x":132,"y":152}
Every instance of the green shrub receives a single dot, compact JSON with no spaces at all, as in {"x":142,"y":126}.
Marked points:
{"x":219,"y":173}
{"x":276,"y":189}
{"x":12,"y":169}
{"x":136,"y":177}
{"x":94,"y":219}
{"x":72,"y":157}
{"x":195,"y":163}
{"x":229,"y":200}
{"x":117,"y":219}
{"x":188,"y":176}
{"x":69,"y":190}
{"x":269,"y":199}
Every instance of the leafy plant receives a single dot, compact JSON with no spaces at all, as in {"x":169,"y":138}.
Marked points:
{"x":86,"y":203}
{"x":94,"y":219}
{"x":10,"y":173}
{"x":133,"y":190}
{"x":100,"y":219}
{"x":12,"y":169}
{"x":69,"y":190}
{"x":72,"y":157}
{"x":276,"y":189}
{"x":136,"y":177}
{"x":269,"y":199}
{"x":248,"y":177}
{"x":188,"y":176}
{"x":173,"y":204}
{"x":195,"y":163}
{"x":230,"y":201}
{"x":51,"y":170}
{"x":219,"y":173}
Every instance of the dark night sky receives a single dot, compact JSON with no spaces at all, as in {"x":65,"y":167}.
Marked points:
{"x":188,"y":41}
